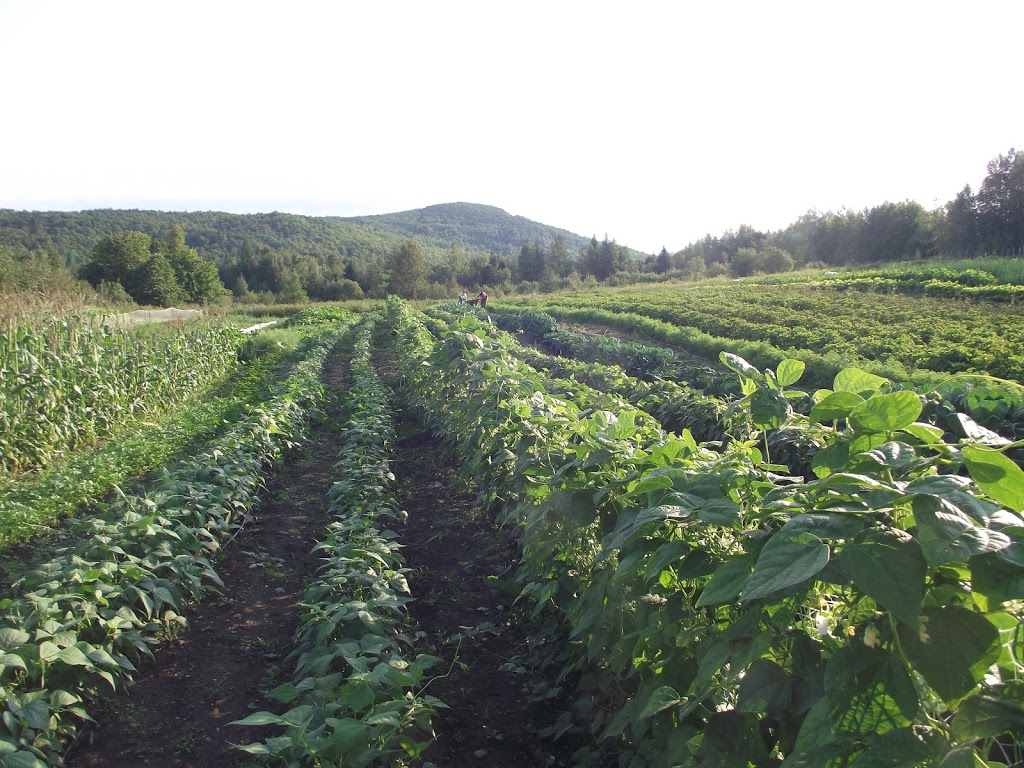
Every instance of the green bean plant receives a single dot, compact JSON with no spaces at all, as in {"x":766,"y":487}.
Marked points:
{"x":78,"y":624}
{"x":357,"y":696}
{"x":707,"y":608}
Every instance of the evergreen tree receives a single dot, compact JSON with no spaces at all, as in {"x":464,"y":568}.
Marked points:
{"x":664,"y":261}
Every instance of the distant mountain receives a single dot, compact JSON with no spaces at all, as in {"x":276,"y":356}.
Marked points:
{"x":219,"y":236}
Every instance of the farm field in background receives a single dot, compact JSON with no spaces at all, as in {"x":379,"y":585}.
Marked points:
{"x":777,"y":523}
{"x":823,"y":321}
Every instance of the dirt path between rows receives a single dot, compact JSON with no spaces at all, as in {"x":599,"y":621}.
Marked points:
{"x":219,"y":669}
{"x":461,"y":567}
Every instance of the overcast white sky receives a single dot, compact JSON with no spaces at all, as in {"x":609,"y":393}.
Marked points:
{"x":652,"y":122}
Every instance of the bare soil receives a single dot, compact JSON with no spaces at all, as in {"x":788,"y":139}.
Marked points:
{"x":462,"y":578}
{"x":219,"y":669}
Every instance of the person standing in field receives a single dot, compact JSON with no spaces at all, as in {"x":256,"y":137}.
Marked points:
{"x":463,"y":296}
{"x":482,"y":296}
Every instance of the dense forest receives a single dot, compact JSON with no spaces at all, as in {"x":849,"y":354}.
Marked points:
{"x":431,"y":252}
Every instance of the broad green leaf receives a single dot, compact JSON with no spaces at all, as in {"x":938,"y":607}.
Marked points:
{"x":662,"y":698}
{"x":48,"y":651}
{"x":669,"y":553}
{"x":926,"y":433}
{"x":815,"y":731}
{"x":983,"y":716}
{"x":916,"y":745}
{"x":36,"y":714}
{"x":739,"y":365}
{"x":955,"y":651}
{"x":962,"y":756}
{"x":892,"y":454}
{"x":790,"y":371}
{"x":22,"y":759}
{"x":649,"y":483}
{"x":826,"y":525}
{"x":835,"y":406}
{"x":257,"y":748}
{"x":765,"y":688}
{"x":769,"y":408}
{"x":869,"y":691}
{"x":858,"y":381}
{"x":726,"y":583}
{"x":995,"y":474}
{"x":948,"y":535}
{"x":11,"y":660}
{"x":74,"y":657}
{"x":886,"y":413}
{"x":12,"y":638}
{"x":260,"y":718}
{"x":347,"y":734}
{"x":787,"y":559}
{"x":720,"y":512}
{"x":890,"y":567}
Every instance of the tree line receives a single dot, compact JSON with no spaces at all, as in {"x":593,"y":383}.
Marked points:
{"x":989,"y":221}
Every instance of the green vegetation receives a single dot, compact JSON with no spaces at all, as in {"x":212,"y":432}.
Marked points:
{"x":157,"y":272}
{"x":355,"y":697}
{"x":33,"y":502}
{"x":707,"y":606}
{"x":68,"y":381}
{"x":78,"y":623}
{"x":900,"y":337}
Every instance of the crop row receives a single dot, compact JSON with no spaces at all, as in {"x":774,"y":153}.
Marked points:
{"x":354,"y":698}
{"x":895,"y":336}
{"x":963,"y":406}
{"x":709,"y":608}
{"x":70,"y":381}
{"x":33,"y":502}
{"x":79,"y":622}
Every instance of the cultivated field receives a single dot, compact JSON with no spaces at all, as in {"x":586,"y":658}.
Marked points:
{"x":720,"y":525}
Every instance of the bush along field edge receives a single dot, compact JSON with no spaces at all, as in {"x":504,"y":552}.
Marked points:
{"x":706,"y":604}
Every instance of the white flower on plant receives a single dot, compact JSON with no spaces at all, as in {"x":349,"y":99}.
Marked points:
{"x":871,"y":637}
{"x":821,"y":624}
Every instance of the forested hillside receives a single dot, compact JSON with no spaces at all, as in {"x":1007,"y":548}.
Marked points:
{"x":221,"y":236}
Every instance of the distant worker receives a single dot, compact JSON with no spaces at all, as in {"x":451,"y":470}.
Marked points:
{"x":482,"y":296}
{"x":463,"y":296}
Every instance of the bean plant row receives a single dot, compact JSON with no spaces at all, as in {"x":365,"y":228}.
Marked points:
{"x":356,"y":697}
{"x":70,"y":381}
{"x":900,"y":337}
{"x":709,"y":607}
{"x":78,"y":624}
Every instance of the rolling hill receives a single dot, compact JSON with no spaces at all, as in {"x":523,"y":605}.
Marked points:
{"x":478,"y":228}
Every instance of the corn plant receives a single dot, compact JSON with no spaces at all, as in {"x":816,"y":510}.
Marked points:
{"x":68,"y":381}
{"x":80,"y":622}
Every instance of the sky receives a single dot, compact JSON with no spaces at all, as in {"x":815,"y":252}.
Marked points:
{"x":652,"y":123}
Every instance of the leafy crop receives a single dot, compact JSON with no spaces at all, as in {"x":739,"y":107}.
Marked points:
{"x":355,"y":699}
{"x":711,"y":608}
{"x":81,"y":621}
{"x":69,"y":381}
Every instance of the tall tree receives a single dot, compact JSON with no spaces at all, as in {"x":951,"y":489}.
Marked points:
{"x":531,"y":262}
{"x":1001,"y":203}
{"x":200,"y":283}
{"x":407,"y":271}
{"x":663,"y":263}
{"x":116,"y":257}
{"x":558,"y":258}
